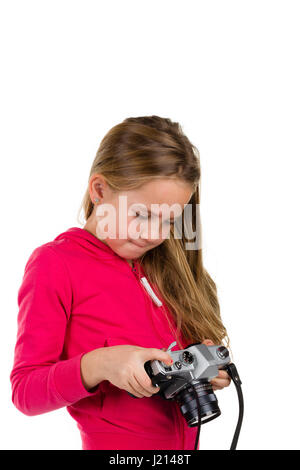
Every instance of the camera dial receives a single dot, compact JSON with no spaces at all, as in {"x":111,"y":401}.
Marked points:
{"x":222,"y":352}
{"x":187,"y":357}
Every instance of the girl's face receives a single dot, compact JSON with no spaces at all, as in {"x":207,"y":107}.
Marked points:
{"x":133,"y":222}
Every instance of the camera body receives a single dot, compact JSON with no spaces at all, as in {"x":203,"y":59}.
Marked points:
{"x":190,"y":373}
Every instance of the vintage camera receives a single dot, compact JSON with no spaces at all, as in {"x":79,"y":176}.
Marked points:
{"x":188,"y":378}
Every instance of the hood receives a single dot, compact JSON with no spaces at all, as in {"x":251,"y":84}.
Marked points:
{"x":89,"y":242}
{"x":95,"y":246}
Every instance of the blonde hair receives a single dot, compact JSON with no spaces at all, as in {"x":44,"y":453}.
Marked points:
{"x":136,"y":151}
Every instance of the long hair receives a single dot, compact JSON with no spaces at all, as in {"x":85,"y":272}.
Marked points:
{"x":136,"y":151}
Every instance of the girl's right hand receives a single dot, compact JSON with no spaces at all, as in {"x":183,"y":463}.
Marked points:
{"x":123,"y":366}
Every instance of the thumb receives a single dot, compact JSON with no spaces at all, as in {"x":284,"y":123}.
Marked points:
{"x":154,"y":353}
{"x":208,"y":342}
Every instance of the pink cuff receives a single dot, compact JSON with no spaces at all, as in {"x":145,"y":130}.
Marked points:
{"x":68,"y":382}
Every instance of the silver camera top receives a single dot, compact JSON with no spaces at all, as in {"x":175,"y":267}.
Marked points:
{"x":196,"y":362}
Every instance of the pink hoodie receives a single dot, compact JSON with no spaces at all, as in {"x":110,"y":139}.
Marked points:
{"x":77,"y":295}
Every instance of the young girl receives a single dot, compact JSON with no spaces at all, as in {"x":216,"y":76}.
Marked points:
{"x":94,"y":306}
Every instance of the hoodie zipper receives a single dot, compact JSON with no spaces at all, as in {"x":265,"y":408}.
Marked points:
{"x":139,"y":278}
{"x":144,"y":281}
{"x":176,"y":413}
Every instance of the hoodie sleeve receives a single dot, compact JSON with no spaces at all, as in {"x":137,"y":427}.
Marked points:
{"x":41,"y":382}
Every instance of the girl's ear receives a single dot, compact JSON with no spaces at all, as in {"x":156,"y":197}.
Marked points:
{"x":100,"y":190}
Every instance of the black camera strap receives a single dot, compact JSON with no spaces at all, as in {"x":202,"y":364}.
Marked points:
{"x":233,"y":373}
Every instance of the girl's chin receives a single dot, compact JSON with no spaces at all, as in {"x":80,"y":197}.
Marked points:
{"x":128,"y":250}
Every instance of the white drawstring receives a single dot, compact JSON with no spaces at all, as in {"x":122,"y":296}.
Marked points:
{"x":149,"y":289}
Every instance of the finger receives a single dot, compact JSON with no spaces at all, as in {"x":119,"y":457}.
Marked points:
{"x":145,"y":383}
{"x":158,"y":354}
{"x":215,"y":387}
{"x":208,"y":342}
{"x":140,"y":388}
{"x":220,"y":382}
{"x":224,"y":375}
{"x":133,"y":391}
{"x":219,"y":386}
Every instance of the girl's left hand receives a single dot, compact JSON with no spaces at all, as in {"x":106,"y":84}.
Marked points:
{"x":222,"y":379}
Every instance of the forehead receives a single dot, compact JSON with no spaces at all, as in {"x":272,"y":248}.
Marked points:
{"x":160,"y":191}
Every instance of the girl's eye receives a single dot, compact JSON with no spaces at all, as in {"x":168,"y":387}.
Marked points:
{"x":138,"y":214}
{"x":171,"y":223}
{"x":144,"y":217}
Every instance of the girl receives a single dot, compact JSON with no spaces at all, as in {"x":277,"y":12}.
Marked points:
{"x":94,"y":307}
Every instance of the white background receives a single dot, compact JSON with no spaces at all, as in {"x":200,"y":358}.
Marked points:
{"x":229,"y":73}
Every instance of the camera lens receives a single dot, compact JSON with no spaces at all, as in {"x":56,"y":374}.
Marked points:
{"x":208,"y":403}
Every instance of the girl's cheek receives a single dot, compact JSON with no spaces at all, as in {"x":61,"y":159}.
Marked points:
{"x":123,"y":226}
{"x":155,"y":233}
